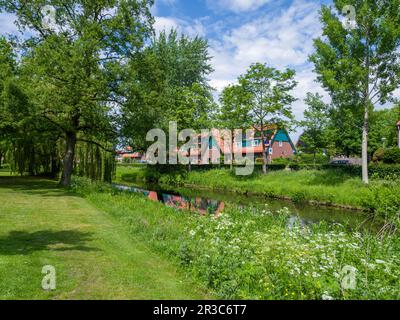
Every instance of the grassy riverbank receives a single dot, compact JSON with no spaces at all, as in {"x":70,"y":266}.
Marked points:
{"x":252,"y":254}
{"x":107,"y":245}
{"x":95,"y":255}
{"x":329,"y":187}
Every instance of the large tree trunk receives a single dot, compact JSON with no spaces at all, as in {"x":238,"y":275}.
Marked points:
{"x":68,"y":161}
{"x":1,"y":158}
{"x":365,"y":177}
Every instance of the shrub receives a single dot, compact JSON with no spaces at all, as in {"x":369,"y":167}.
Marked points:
{"x":381,"y":171}
{"x":378,"y":155}
{"x":284,"y":161}
{"x":392,"y":156}
{"x":309,"y":158}
{"x":305,"y":166}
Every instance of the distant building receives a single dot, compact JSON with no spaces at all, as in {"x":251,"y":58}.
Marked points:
{"x":128,"y":153}
{"x":278,"y":145}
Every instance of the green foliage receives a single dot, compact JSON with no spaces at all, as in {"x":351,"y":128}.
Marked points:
{"x":264,"y":97}
{"x":168,"y":82}
{"x":392,"y":156}
{"x":305,"y":158}
{"x":315,"y":123}
{"x":378,"y":155}
{"x":234,"y":111}
{"x":252,"y":255}
{"x":383,"y":132}
{"x":359,"y":67}
{"x":70,"y":75}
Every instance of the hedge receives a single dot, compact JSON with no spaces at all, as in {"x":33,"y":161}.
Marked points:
{"x":162,"y":169}
{"x":381,"y":171}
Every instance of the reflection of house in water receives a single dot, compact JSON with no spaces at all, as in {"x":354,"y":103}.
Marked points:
{"x":201,"y":205}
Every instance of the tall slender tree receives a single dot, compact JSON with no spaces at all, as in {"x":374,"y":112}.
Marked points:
{"x":359,"y":65}
{"x":268,"y":93}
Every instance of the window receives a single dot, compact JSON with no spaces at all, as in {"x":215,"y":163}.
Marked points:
{"x":255,"y":143}
{"x":280,"y":144}
{"x":210,"y":143}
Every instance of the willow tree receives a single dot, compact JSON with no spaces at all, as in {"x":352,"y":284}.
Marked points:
{"x":73,"y":62}
{"x":359,"y":62}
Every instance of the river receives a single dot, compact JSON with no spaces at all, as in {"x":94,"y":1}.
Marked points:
{"x":213,"y":203}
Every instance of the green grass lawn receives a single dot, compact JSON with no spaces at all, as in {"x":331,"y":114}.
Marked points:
{"x":95,"y":255}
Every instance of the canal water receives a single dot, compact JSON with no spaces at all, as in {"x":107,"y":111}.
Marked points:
{"x":213,"y":203}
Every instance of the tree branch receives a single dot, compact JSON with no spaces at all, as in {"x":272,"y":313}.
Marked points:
{"x":97,"y":144}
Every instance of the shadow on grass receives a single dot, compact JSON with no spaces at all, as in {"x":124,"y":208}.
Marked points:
{"x":34,"y":186}
{"x":24,"y":243}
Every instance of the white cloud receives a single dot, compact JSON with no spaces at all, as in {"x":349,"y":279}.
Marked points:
{"x":283,"y":38}
{"x":164,"y":23}
{"x":7,"y":25}
{"x":192,"y":28}
{"x":236,"y":6}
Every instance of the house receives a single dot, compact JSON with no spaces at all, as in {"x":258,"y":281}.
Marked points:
{"x":278,"y":145}
{"x":277,"y":142}
{"x":128,"y":154}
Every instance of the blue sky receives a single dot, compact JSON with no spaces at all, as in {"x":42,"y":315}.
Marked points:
{"x":241,"y":32}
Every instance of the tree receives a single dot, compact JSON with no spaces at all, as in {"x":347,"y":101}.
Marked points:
{"x":268,"y":95}
{"x":383,"y":131}
{"x":168,"y":83}
{"x":360,"y":66}
{"x":72,"y":68}
{"x":234,"y":113}
{"x":315,"y":124}
{"x":7,"y":70}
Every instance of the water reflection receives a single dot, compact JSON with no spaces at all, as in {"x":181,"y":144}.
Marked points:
{"x":295,"y":221}
{"x":196,"y":204}
{"x":213,"y":203}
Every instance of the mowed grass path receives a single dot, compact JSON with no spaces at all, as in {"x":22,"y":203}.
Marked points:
{"x":94,"y":254}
